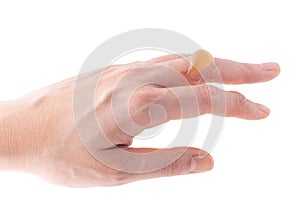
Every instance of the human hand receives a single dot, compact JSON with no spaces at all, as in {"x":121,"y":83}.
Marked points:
{"x":42,"y":132}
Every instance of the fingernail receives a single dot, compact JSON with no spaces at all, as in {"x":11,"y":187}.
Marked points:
{"x":271,"y":66}
{"x":201,"y":164}
{"x":263,"y":108}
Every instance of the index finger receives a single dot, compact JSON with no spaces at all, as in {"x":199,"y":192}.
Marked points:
{"x":225,"y":71}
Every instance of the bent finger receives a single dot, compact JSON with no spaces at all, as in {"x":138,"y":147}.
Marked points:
{"x":191,"y":101}
{"x":148,"y":163}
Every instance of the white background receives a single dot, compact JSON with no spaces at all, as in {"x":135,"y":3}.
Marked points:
{"x":42,"y":43}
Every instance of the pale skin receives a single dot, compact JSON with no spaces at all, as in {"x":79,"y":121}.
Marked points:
{"x":38,"y":133}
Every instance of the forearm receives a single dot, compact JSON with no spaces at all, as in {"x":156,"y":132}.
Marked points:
{"x":14,"y":136}
{"x":6,"y":137}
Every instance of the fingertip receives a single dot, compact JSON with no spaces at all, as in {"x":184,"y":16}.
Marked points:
{"x":273,"y":69}
{"x":263,"y":108}
{"x":257,"y":112}
{"x":271,"y":66}
{"x":201,"y":163}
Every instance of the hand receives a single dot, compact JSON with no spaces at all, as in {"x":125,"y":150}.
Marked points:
{"x":40,"y":135}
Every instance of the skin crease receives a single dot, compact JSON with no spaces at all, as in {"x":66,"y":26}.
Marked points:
{"x":38,"y":133}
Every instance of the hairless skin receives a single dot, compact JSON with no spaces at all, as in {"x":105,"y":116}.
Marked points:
{"x":38,"y":132}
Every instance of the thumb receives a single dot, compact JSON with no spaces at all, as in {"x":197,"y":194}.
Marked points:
{"x":170,"y":162}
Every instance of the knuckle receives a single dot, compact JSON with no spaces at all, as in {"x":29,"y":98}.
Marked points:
{"x":240,"y":99}
{"x":176,"y":168}
{"x":213,"y":92}
{"x":171,"y":170}
{"x":140,"y":103}
{"x":105,"y":96}
{"x":144,"y":98}
{"x":211,"y":99}
{"x":248,"y":67}
{"x":203,"y":93}
{"x":204,"y":96}
{"x":217,"y":96}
